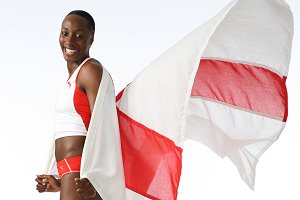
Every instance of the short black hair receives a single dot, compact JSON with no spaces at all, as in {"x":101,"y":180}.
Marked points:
{"x":86,"y":16}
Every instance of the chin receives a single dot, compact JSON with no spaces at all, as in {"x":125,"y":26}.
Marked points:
{"x":70,"y":59}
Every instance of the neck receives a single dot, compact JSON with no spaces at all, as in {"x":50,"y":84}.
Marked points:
{"x":72,"y":66}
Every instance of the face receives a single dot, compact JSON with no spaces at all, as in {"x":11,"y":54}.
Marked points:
{"x":75,"y":39}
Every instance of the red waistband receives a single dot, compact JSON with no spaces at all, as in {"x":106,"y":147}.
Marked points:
{"x":68,"y":165}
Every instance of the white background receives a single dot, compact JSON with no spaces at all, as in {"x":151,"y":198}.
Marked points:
{"x":129,"y":35}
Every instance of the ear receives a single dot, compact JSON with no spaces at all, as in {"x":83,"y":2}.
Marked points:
{"x":92,"y":40}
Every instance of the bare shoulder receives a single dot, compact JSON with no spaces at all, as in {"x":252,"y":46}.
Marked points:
{"x":90,"y":74}
{"x":92,"y":68}
{"x":90,"y":71}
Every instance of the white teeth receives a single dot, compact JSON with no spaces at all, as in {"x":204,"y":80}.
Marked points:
{"x":70,"y":51}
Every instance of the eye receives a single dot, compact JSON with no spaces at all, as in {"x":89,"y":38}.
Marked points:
{"x":64,"y":33}
{"x":78,"y":35}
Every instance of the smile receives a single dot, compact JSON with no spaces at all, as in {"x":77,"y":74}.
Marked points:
{"x":70,"y":51}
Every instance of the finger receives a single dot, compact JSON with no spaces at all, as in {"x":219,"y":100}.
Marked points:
{"x":89,"y":194}
{"x":78,"y":183}
{"x":77,"y":180}
{"x":81,"y":183}
{"x":83,"y":189}
{"x":42,"y":187}
{"x":40,"y":191}
{"x":43,"y":178}
{"x":38,"y":180}
{"x":79,"y":191}
{"x":81,"y":180}
{"x":87,"y":191}
{"x":43,"y":181}
{"x":46,"y":177}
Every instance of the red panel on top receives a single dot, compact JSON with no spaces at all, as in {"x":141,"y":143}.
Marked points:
{"x":82,"y":106}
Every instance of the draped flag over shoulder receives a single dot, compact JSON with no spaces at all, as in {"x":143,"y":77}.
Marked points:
{"x":101,"y":161}
{"x":223,"y":85}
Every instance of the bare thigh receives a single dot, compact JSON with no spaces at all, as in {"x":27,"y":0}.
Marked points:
{"x":68,"y":188}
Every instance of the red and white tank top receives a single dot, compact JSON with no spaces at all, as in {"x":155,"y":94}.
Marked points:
{"x":72,"y":109}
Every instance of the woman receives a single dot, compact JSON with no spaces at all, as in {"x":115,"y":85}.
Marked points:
{"x":73,"y":109}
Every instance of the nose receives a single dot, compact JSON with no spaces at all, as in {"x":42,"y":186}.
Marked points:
{"x":70,"y":39}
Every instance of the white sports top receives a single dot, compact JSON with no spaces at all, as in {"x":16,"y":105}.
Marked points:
{"x":72,"y":110}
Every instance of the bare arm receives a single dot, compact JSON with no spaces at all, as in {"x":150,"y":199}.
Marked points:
{"x":89,"y":80}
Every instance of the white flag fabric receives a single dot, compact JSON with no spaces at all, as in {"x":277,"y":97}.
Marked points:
{"x":223,"y":85}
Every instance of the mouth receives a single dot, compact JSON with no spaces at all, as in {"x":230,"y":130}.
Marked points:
{"x":69,"y":51}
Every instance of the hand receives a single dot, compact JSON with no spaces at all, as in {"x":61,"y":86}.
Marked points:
{"x":47,"y":183}
{"x":84,"y":188}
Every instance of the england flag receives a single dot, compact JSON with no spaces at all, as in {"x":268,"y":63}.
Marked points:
{"x":222,"y":85}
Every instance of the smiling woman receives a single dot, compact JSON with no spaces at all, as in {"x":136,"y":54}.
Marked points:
{"x":73,"y":109}
{"x":77,"y":35}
